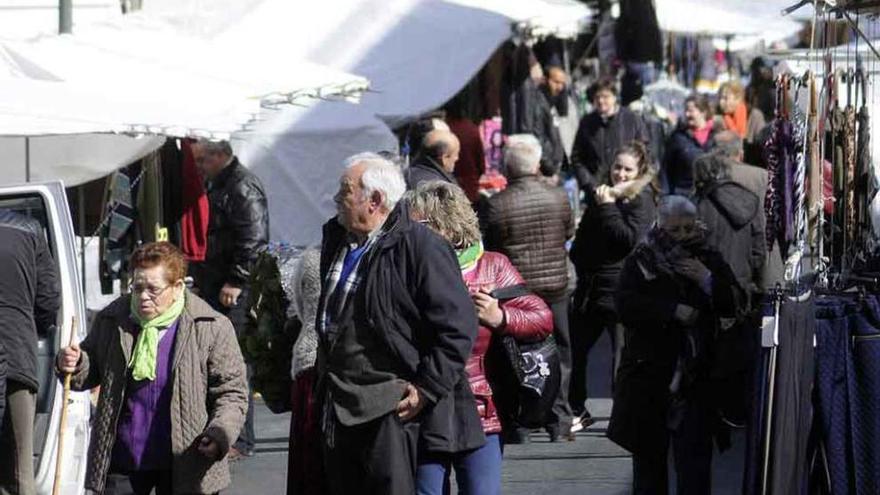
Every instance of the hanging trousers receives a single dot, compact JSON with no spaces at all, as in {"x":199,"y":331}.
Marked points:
{"x":792,"y":408}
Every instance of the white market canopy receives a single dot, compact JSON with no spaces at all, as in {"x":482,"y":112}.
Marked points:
{"x":117,"y":80}
{"x":416,"y":53}
{"x":746,"y":21}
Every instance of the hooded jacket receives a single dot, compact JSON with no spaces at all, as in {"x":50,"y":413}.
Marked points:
{"x":732,"y":214}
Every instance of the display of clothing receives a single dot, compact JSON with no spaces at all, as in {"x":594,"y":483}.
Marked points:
{"x":195,"y":209}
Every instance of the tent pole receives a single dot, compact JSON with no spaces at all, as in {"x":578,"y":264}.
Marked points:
{"x":27,"y":159}
{"x":65,"y":16}
{"x":81,"y":213}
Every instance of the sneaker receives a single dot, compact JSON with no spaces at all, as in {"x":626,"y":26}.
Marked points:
{"x":582,"y":421}
{"x":237,"y":455}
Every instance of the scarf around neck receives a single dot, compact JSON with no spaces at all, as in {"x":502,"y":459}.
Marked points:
{"x":144,"y":356}
{"x":468,"y":257}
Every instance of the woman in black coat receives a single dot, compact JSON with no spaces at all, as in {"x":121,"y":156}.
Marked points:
{"x":675,"y":296}
{"x":619,"y":213}
{"x":692,"y":139}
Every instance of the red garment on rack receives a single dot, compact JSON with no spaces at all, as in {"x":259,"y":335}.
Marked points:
{"x":194,"y":222}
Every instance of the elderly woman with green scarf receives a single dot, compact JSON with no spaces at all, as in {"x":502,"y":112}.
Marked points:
{"x":173,"y":383}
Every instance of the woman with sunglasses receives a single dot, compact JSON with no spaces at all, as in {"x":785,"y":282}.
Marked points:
{"x":173,"y":384}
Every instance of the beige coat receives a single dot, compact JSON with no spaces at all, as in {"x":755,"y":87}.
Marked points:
{"x":209,"y":391}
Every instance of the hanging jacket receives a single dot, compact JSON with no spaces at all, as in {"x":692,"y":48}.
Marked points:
{"x":638,"y":32}
{"x":194,"y":203}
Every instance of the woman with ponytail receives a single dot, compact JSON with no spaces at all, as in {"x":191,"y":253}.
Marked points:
{"x":619,"y":213}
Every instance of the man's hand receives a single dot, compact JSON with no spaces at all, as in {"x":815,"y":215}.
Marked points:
{"x":488,"y":311}
{"x":68,"y":358}
{"x":208,"y":447}
{"x":229,"y":295}
{"x":411,"y":404}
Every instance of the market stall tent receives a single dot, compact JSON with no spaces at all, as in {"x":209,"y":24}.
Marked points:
{"x":416,"y":54}
{"x":130,"y":77}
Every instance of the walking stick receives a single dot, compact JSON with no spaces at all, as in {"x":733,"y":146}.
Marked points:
{"x":56,"y":487}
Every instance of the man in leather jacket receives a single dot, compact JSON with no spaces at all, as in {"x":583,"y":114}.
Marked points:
{"x":238,"y":230}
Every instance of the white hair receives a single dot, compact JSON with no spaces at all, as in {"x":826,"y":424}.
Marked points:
{"x":380,"y":174}
{"x":522,"y":155}
{"x":675,"y":206}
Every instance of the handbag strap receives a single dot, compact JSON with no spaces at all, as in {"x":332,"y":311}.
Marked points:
{"x":510,"y":292}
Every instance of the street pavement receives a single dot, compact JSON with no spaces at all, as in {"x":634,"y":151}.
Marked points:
{"x":589,"y":465}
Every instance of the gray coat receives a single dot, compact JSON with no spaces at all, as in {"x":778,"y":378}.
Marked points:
{"x":209,"y":394}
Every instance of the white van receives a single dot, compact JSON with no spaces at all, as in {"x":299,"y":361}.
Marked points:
{"x":47,"y":203}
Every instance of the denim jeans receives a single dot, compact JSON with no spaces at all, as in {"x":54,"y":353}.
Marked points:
{"x":477,"y":472}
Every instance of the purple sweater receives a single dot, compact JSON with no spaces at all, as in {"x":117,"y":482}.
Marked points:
{"x":143,"y":432}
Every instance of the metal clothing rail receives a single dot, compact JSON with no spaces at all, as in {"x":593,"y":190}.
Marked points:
{"x":844,"y":8}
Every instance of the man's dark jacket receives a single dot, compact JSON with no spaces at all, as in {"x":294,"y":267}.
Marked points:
{"x":529,"y":222}
{"x":425,"y":169}
{"x":412,"y":297}
{"x":540,"y":122}
{"x":597,"y":142}
{"x":238,"y":229}
{"x":29,"y":294}
{"x":732,"y":214}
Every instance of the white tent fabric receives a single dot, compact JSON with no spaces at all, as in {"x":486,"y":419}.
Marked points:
{"x":751,"y":20}
{"x":135,"y":76}
{"x":416,"y":54}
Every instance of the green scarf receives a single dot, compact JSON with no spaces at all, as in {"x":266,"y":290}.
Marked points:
{"x":468,"y":257}
{"x":143,"y":358}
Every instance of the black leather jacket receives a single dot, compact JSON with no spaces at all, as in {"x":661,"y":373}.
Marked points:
{"x":238,"y":229}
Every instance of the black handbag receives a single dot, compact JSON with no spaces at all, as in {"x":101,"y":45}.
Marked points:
{"x":533,"y":367}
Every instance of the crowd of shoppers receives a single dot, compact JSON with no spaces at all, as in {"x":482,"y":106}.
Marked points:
{"x":396,"y":379}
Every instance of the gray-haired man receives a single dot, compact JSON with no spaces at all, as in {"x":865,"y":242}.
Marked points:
{"x":530,"y":222}
{"x":395,"y":327}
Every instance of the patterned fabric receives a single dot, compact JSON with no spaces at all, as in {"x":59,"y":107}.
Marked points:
{"x":849,"y":161}
{"x":783,"y":151}
{"x":344,"y":271}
